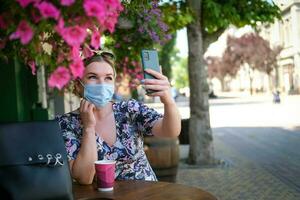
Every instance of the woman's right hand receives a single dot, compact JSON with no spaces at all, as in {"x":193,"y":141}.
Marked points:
{"x":87,"y":115}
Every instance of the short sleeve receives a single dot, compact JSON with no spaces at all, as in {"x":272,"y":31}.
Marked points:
{"x":144,"y":116}
{"x":72,"y":143}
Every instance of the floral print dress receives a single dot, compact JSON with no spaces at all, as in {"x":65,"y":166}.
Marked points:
{"x":133,"y":121}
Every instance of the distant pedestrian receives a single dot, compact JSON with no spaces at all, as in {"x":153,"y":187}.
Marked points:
{"x":212,"y":95}
{"x":276,"y":97}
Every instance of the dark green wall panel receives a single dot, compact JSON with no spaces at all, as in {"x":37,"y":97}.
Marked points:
{"x":19,"y":93}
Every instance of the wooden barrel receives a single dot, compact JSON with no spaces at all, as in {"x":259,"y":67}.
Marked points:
{"x":163,"y":155}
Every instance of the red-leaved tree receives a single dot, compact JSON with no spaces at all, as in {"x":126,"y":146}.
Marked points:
{"x":249,"y":49}
{"x":220,"y":67}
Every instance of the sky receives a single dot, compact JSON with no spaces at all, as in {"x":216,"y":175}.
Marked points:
{"x":181,"y":42}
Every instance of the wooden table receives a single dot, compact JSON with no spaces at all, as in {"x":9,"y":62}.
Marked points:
{"x":142,"y":190}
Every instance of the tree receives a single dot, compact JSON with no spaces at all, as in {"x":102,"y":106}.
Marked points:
{"x":220,"y":67}
{"x":177,"y":15}
{"x":253,"y":50}
{"x":200,"y":134}
{"x":211,"y":18}
{"x":219,"y":14}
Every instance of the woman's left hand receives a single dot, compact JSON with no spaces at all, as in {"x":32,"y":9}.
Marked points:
{"x":160,"y":85}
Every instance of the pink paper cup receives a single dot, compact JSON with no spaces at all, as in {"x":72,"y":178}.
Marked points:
{"x":105,"y":172}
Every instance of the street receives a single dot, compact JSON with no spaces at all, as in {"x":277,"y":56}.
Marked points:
{"x":258,"y":143}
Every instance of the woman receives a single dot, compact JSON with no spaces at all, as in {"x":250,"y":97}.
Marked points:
{"x":102,"y":129}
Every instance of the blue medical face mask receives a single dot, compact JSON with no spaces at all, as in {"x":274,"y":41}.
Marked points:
{"x":98,"y":94}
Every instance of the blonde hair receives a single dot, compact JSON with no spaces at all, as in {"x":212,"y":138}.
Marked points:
{"x":101,"y":57}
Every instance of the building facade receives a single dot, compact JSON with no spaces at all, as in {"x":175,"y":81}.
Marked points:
{"x":286,"y":33}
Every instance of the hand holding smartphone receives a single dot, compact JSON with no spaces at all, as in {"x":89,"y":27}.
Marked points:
{"x":150,"y":61}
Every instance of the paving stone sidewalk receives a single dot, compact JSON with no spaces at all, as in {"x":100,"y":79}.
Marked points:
{"x":258,"y":164}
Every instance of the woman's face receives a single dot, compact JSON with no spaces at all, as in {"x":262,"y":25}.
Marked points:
{"x":98,"y":73}
{"x":95,"y":73}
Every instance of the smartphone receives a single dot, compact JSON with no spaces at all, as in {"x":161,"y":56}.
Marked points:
{"x":150,"y":61}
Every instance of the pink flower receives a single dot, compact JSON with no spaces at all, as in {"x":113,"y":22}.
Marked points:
{"x":24,"y":32}
{"x":133,"y":63}
{"x":25,"y":3}
{"x":110,"y":22}
{"x":94,"y":8}
{"x":66,"y":2}
{"x":140,"y":76}
{"x":95,"y":40}
{"x":77,"y":68}
{"x":48,"y":10}
{"x":114,"y":5}
{"x":106,"y":11}
{"x":126,"y":59}
{"x":31,"y":64}
{"x":35,"y":17}
{"x":60,"y":58}
{"x":60,"y":26}
{"x":75,"y":54}
{"x":59,"y":78}
{"x":74,"y":36}
{"x":87,"y":52}
{"x":110,"y":26}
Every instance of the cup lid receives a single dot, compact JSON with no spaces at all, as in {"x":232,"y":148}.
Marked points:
{"x":108,"y":162}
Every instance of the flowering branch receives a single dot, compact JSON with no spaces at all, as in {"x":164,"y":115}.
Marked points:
{"x":53,"y":33}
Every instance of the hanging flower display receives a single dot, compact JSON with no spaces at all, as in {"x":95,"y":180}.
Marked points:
{"x":52,"y":33}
